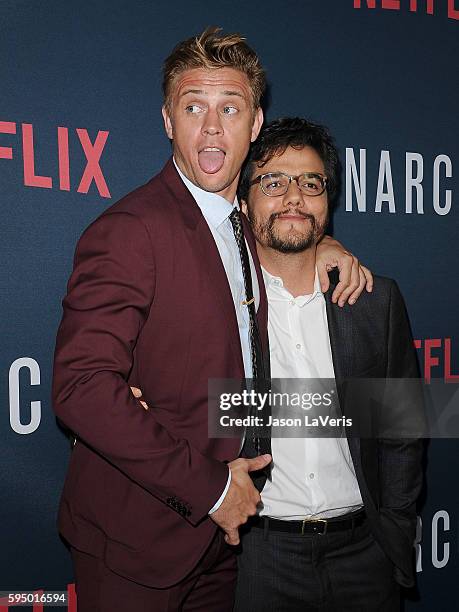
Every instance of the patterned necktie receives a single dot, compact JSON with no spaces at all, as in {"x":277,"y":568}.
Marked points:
{"x":261,"y":444}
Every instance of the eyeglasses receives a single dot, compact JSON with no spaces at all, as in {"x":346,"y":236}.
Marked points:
{"x":277,"y":183}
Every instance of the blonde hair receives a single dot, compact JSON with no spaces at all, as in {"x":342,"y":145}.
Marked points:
{"x":211,"y":50}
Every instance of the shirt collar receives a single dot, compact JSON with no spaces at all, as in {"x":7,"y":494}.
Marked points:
{"x":213,"y":206}
{"x":275,"y":286}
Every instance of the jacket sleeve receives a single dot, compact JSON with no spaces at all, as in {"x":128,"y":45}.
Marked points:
{"x":108,"y":300}
{"x":400,"y":459}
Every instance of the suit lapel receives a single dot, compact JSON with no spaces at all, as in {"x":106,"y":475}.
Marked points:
{"x":201,"y":237}
{"x":340,"y":328}
{"x":205,"y":243}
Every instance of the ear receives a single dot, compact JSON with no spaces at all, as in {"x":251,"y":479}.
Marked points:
{"x":244,"y":209}
{"x":167,"y":123}
{"x":257,"y":123}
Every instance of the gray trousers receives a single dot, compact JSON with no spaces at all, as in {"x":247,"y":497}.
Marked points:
{"x":345,"y":571}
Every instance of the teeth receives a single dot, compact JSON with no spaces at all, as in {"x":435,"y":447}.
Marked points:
{"x":212,"y":149}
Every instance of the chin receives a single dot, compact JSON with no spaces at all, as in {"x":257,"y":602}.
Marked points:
{"x":213,"y":186}
{"x":294,"y":237}
{"x":214,"y":182}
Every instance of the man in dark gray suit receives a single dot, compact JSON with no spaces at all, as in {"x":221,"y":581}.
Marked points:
{"x":337,"y":525}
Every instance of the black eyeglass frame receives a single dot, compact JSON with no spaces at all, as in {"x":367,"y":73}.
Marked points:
{"x":260,"y":177}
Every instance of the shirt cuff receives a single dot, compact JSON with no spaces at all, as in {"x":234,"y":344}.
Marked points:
{"x":219,"y":502}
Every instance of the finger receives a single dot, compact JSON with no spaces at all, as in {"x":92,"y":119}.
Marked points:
{"x":345,"y":270}
{"x":353,"y":284}
{"x":136,"y":392}
{"x":368,"y":277}
{"x":258,"y":463}
{"x":323,"y":276}
{"x":253,"y":509}
{"x":232,"y":537}
{"x":355,"y":296}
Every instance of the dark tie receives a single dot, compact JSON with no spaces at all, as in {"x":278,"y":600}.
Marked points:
{"x":260,"y":443}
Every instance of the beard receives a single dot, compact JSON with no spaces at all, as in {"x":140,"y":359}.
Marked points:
{"x":293,"y":241}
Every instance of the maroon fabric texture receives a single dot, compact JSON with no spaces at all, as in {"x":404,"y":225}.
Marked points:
{"x":209,"y":588}
{"x":148,"y":304}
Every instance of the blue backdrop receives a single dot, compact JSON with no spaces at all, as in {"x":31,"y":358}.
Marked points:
{"x":81,"y":81}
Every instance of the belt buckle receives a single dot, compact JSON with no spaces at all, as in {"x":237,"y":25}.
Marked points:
{"x":324,"y":521}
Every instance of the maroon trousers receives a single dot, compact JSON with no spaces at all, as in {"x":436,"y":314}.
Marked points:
{"x":208,"y":588}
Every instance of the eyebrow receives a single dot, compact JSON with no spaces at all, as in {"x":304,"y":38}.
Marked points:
{"x":192,"y":91}
{"x":232,"y":93}
{"x":200,"y":92}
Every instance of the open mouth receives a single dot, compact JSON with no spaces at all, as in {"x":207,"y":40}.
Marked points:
{"x":211,"y":159}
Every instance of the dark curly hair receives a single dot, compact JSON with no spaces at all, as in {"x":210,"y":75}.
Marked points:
{"x":275,"y":137}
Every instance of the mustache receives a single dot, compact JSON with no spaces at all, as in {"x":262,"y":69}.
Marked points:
{"x":300,"y":213}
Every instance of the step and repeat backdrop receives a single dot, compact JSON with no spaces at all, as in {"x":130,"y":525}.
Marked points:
{"x":80,"y":126}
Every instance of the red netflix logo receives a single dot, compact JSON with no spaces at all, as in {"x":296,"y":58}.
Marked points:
{"x":395,"y":5}
{"x":436,"y":354}
{"x":92,"y":150}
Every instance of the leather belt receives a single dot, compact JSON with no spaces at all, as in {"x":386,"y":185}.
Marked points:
{"x":310,"y":526}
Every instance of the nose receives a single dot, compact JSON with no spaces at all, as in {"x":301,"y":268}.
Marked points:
{"x":293,"y":196}
{"x":212,"y":125}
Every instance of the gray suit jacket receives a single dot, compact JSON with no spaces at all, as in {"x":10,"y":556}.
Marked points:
{"x":372,"y":339}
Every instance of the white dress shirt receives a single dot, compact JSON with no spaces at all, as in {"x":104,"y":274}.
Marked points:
{"x":216,"y":211}
{"x":311,"y":477}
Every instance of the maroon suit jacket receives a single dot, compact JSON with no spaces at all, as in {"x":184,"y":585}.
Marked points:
{"x":148,"y":304}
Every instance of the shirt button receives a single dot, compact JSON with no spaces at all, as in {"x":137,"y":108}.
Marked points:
{"x":311,"y":475}
{"x":292,"y":302}
{"x":298,"y":346}
{"x":276,"y":282}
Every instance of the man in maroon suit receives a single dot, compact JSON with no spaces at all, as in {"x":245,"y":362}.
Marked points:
{"x":163,"y":296}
